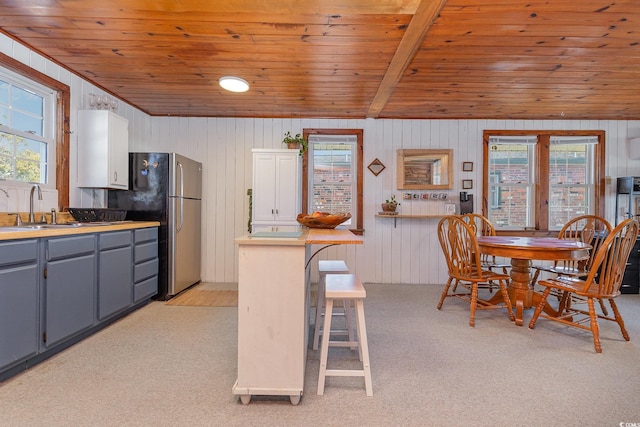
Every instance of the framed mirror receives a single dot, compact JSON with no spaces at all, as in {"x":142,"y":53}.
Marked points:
{"x":423,"y":169}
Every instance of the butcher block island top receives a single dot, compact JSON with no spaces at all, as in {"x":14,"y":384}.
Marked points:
{"x":306,"y":236}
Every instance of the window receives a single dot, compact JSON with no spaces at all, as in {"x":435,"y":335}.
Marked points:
{"x":27,"y":129}
{"x":58,"y":161}
{"x":539,"y":181}
{"x":332,"y":173}
{"x":494,"y":188}
{"x":571,"y":178}
{"x":332,"y":186}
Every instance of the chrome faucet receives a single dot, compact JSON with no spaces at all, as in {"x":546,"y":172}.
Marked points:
{"x":32,"y":217}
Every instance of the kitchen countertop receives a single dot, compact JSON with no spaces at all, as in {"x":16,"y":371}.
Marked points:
{"x":11,"y":233}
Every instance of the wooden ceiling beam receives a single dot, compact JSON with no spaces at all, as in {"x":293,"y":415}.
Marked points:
{"x":418,"y":28}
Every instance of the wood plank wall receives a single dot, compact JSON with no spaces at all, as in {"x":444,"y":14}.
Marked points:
{"x":408,"y":253}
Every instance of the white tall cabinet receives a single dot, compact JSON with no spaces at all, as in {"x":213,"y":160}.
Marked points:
{"x":276,"y":189}
{"x":103,"y":149}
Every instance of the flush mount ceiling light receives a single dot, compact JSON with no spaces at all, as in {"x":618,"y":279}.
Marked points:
{"x":233,"y":84}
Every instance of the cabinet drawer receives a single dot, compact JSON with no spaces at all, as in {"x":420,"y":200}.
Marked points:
{"x":145,"y":270}
{"x":64,"y":247}
{"x":146,"y":234}
{"x":116,"y":239}
{"x":18,"y":252}
{"x":146,"y":288}
{"x":145,"y":252}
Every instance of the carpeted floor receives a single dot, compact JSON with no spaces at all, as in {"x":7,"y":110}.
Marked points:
{"x":175,"y":366}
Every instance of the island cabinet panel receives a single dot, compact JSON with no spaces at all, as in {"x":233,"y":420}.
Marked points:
{"x":273,"y":302}
{"x":146,"y":264}
{"x":18,"y":301}
{"x":115,"y":271}
{"x":69,"y":284}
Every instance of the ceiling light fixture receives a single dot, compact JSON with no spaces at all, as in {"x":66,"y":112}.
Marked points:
{"x":233,"y":84}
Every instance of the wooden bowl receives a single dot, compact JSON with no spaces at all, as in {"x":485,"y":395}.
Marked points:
{"x":323,"y":220}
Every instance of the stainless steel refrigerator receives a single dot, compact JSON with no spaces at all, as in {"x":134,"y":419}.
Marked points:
{"x":167,"y":187}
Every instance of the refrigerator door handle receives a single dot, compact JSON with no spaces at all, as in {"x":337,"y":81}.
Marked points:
{"x":181,"y":195}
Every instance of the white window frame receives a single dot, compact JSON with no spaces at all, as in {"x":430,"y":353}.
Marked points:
{"x":589,"y":184}
{"x":495,"y":187}
{"x":49,"y":96}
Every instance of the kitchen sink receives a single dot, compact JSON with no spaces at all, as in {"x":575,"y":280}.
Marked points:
{"x":29,"y":227}
{"x":13,"y":228}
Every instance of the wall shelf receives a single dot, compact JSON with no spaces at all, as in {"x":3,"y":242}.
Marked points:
{"x":395,"y":217}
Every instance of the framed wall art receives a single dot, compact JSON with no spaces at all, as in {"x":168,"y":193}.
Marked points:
{"x":376,"y":167}
{"x":467,"y":166}
{"x":467,"y":184}
{"x":420,"y":169}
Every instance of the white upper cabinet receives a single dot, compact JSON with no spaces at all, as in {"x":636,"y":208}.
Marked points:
{"x":103,"y":149}
{"x":276,"y":187}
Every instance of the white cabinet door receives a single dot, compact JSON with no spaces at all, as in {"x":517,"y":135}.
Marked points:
{"x":103,"y":149}
{"x":264,"y":186}
{"x":276,"y":187}
{"x":287,"y":186}
{"x":118,"y":174}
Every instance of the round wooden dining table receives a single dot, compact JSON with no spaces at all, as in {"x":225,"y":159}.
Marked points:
{"x":522,"y":250}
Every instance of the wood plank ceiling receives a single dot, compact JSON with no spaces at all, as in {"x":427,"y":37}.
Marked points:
{"x":435,"y":59}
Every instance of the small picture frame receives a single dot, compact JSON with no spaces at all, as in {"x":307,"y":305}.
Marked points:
{"x":376,"y":167}
{"x":450,"y":208}
{"x":467,"y":184}
{"x":467,"y":166}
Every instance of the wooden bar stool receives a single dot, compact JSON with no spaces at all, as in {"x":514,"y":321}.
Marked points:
{"x":345,"y":287}
{"x":330,"y":267}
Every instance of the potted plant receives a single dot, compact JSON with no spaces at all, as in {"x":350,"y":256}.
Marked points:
{"x":295,"y":142}
{"x":390,"y":204}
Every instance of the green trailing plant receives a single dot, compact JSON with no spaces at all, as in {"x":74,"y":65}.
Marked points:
{"x":298,"y":139}
{"x":390,"y":204}
{"x":392,"y":200}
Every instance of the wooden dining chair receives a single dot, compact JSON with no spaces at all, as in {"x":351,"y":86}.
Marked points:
{"x":589,"y":229}
{"x":602,"y":283}
{"x":460,"y":248}
{"x":483,"y":227}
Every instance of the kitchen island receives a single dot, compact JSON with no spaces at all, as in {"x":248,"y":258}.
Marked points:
{"x":273,"y":309}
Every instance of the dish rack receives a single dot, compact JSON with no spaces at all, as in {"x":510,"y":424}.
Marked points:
{"x":97,"y":214}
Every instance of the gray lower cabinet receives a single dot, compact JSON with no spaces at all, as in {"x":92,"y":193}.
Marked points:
{"x":69,"y":283}
{"x":114,"y":272}
{"x":56,"y":291}
{"x":18,"y":301}
{"x":145,"y":264}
